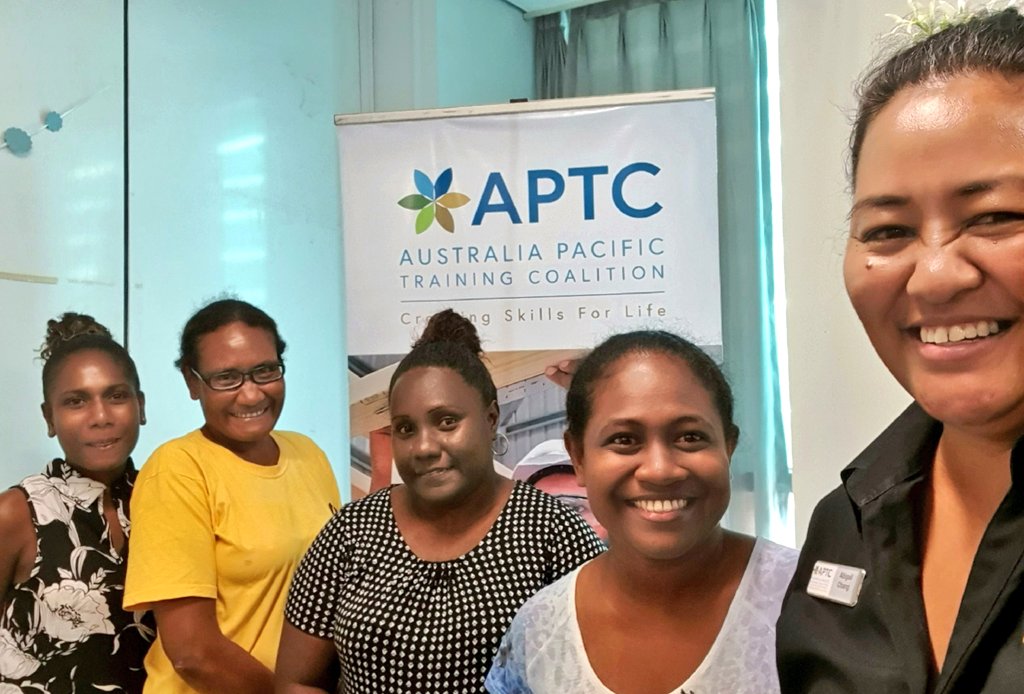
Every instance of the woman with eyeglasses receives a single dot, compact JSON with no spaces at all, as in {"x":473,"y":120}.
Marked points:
{"x":224,"y":514}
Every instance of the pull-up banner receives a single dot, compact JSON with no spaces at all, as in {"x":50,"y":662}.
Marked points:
{"x":551,"y":225}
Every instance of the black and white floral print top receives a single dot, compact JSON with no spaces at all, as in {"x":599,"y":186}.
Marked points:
{"x":63,"y":630}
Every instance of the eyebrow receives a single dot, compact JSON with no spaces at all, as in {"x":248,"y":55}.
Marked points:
{"x":880,"y":202}
{"x":967,"y":190}
{"x":434,"y":410}
{"x":977,"y":187}
{"x":685,"y":419}
{"x":85,"y":391}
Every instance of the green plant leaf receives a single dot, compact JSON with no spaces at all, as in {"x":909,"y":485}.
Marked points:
{"x":414,"y":202}
{"x":425,"y":218}
{"x":453,"y":200}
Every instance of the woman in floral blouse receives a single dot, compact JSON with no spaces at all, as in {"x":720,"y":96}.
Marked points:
{"x":65,"y":531}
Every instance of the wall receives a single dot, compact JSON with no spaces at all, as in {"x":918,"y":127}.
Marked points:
{"x":234,"y":182}
{"x":61,"y":206}
{"x":484,"y":53}
{"x":841,"y":395}
{"x":438,"y":53}
{"x":233,"y":176}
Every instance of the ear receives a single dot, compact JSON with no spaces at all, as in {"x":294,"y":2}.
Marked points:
{"x":492,"y":417}
{"x":142,"y":408}
{"x":192,"y":382}
{"x":48,"y":416}
{"x":575,"y":450}
{"x":732,"y":440}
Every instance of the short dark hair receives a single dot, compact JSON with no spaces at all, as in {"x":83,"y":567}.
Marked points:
{"x":991,"y":41}
{"x":450,"y":341}
{"x":579,"y":399}
{"x":216,"y":315}
{"x":76,"y":332}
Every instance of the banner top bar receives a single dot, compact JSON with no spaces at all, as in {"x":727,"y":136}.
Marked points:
{"x":705,"y":94}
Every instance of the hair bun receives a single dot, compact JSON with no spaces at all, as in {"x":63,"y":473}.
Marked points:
{"x":69,"y":326}
{"x":449,"y":326}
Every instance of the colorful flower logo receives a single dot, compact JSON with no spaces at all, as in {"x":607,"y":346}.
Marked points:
{"x":434,"y":201}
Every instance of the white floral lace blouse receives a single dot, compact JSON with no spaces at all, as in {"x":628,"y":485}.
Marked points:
{"x":63,"y":630}
{"x":543,"y":652}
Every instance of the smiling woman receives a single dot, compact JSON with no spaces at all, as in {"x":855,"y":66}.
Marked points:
{"x":676,"y":604}
{"x":428,"y":572}
{"x":64,"y":532}
{"x":934,"y":267}
{"x":223,"y":514}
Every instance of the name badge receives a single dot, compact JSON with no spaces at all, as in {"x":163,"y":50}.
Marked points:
{"x":836,"y":582}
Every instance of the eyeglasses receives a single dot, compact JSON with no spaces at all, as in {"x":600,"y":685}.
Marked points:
{"x":574,"y":501}
{"x":232,"y":379}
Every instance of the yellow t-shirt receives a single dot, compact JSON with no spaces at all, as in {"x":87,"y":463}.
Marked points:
{"x":206,"y":523}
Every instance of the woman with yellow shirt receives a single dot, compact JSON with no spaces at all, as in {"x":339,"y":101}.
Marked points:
{"x":223,"y":514}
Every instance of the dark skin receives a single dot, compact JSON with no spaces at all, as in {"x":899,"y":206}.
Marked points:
{"x":441,"y":434}
{"x":650,"y":608}
{"x":201,"y":654}
{"x":681,"y":613}
{"x":90,"y":400}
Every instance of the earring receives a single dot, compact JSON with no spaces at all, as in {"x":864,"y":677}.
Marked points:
{"x":499,"y":446}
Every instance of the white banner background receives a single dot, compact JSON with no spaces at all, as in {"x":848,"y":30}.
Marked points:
{"x":562,"y":280}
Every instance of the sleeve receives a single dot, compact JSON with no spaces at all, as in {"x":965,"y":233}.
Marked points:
{"x":570,"y":542}
{"x":172,"y":539}
{"x":508,"y":671}
{"x":316,"y":588}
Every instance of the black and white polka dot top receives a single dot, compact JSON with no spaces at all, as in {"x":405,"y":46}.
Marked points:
{"x":401,"y":624}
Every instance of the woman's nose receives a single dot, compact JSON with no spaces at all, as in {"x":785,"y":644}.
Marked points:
{"x":249,"y":392}
{"x":99,"y":414}
{"x":424,"y":444}
{"x":659,"y":465}
{"x":942,"y":272}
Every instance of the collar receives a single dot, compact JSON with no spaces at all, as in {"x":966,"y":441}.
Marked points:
{"x":86,"y":491}
{"x":902,"y":452}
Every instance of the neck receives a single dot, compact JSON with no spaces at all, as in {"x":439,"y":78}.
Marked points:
{"x":461,"y":513}
{"x":685,"y":579}
{"x":973,"y":468}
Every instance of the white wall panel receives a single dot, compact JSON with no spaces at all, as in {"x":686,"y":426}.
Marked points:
{"x":234,"y":185}
{"x":61,"y":206}
{"x":841,"y":395}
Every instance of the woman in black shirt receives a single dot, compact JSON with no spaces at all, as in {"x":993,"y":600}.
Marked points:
{"x":912,"y":575}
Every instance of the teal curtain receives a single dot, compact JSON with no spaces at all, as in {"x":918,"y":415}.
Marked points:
{"x":549,"y":56}
{"x":622,"y":46}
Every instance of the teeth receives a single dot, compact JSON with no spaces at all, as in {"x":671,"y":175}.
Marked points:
{"x":660,"y":505}
{"x":249,"y":415}
{"x":958,"y":333}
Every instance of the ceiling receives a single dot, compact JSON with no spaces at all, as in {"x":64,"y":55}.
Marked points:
{"x":539,"y":7}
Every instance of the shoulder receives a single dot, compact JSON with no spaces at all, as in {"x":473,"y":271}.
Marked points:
{"x":834,"y":519}
{"x":548,"y":609}
{"x":366,"y":517}
{"x":15,"y":516}
{"x":302,"y":444}
{"x":540,"y":643}
{"x":177,"y":456}
{"x":526,"y":501}
{"x":547,"y":517}
{"x":773,"y":566}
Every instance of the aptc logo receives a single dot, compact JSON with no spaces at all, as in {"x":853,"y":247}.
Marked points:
{"x":434,"y":200}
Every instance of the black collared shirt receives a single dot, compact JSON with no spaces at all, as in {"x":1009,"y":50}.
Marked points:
{"x":881,"y":644}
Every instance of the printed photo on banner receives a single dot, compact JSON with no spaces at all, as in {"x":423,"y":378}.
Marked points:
{"x":550,"y":226}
